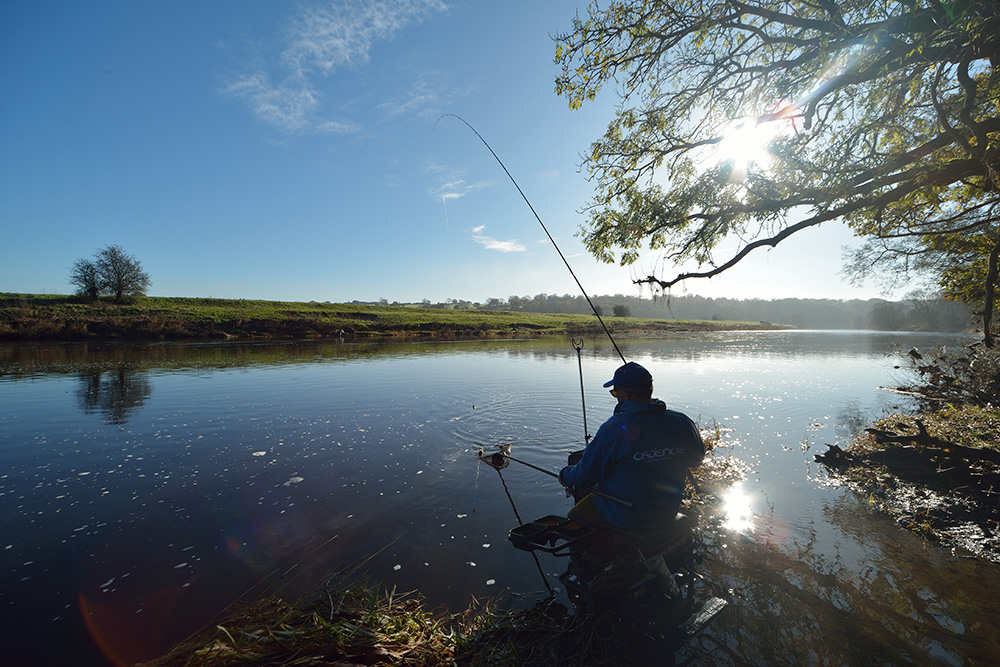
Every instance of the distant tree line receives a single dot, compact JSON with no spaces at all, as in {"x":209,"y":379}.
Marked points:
{"x":920,"y":311}
{"x":112,"y":272}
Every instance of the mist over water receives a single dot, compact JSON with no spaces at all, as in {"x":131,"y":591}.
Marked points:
{"x":144,"y":488}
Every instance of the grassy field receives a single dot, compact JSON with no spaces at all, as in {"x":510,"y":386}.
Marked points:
{"x":55,"y":317}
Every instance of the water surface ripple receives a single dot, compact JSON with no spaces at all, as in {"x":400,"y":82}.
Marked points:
{"x":144,"y":488}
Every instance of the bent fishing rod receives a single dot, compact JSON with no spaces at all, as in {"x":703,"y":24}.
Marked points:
{"x":545,"y":229}
{"x":578,"y":284}
{"x":582,"y":291}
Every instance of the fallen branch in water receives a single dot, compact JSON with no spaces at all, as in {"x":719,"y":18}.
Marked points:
{"x":941,"y":485}
{"x":943,"y":447}
{"x":921,"y":437}
{"x":917,"y":394}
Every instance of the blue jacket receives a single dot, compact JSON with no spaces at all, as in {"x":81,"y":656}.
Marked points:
{"x":641,"y":454}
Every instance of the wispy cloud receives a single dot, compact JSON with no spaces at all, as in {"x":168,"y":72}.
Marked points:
{"x":320,"y":41}
{"x":290,"y":106}
{"x":451,"y":184}
{"x":343,"y":32}
{"x":491,"y":243}
{"x":423,"y":98}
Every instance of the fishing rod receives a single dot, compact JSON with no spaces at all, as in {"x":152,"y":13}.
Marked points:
{"x":498,"y":460}
{"x":545,"y":229}
{"x":578,"y":284}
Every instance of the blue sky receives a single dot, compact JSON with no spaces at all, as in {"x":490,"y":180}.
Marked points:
{"x":297,"y":151}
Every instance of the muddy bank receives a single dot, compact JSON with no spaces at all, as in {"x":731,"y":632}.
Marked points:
{"x":936,"y":474}
{"x":68,"y":318}
{"x":140,"y":329}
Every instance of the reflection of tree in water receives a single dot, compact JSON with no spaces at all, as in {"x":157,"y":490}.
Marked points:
{"x":114,"y":394}
{"x":851,"y":420}
{"x":796,"y":603}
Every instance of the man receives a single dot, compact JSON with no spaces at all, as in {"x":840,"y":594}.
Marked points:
{"x":641,"y":455}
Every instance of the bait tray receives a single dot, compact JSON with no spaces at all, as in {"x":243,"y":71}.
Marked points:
{"x":550,"y":534}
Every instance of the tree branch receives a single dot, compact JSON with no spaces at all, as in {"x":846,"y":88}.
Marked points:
{"x":773,"y":241}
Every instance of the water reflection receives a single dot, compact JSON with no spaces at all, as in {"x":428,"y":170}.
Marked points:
{"x":253,"y":454}
{"x":116,"y":395}
{"x":737,"y":511}
{"x":874,"y":598}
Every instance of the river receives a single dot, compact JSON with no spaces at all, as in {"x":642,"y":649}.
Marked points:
{"x":145,"y":487}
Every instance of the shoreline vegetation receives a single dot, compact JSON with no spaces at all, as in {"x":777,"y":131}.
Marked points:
{"x":29,"y":317}
{"x":936,"y":474}
{"x":935,"y":470}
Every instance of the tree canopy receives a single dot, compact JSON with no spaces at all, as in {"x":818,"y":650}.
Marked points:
{"x":112,"y":271}
{"x":749,"y":121}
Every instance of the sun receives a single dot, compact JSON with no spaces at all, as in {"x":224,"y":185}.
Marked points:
{"x":745,"y":143}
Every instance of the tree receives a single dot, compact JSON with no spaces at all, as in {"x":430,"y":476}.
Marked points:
{"x":112,"y":271}
{"x":121,"y":274}
{"x":888,"y":316}
{"x":747,"y":121}
{"x":87,"y":278}
{"x":621,"y":311}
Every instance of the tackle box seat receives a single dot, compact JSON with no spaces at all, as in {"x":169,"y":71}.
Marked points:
{"x":550,"y":533}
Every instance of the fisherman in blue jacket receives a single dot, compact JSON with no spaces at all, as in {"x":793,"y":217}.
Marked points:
{"x":641,"y":455}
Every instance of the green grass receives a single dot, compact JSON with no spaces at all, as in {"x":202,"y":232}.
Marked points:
{"x":55,"y":317}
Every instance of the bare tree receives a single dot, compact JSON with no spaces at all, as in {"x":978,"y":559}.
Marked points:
{"x":113,"y":272}
{"x":87,"y":278}
{"x":121,"y":274}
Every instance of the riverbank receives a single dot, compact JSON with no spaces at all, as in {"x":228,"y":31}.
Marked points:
{"x":936,"y":473}
{"x":27,"y":317}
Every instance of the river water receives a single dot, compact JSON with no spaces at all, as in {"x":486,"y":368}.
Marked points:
{"x":144,"y":488}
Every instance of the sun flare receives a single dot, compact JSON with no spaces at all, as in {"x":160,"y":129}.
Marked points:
{"x":737,"y":509}
{"x":746,"y":142}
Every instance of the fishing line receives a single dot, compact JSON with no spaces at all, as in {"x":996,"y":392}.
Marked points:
{"x":545,"y":229}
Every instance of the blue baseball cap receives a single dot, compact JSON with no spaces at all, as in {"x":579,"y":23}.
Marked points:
{"x":631,"y":375}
